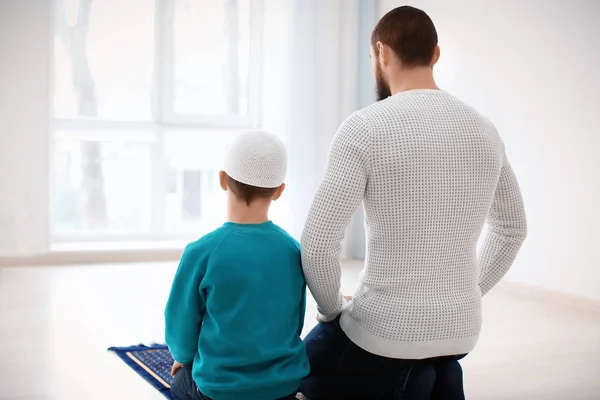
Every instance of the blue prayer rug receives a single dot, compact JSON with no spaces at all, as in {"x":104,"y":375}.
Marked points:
{"x":153,"y":363}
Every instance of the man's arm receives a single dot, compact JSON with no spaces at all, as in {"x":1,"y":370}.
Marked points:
{"x":507,"y":229}
{"x":185,"y":308}
{"x":302,"y":311}
{"x":338,"y":197}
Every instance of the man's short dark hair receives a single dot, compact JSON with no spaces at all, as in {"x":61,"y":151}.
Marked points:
{"x":248,"y":193}
{"x":410,"y":33}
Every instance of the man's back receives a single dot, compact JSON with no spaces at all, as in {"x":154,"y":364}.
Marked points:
{"x":429,"y":170}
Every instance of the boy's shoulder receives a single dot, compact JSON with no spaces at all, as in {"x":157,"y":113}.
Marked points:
{"x":225,"y":237}
{"x":286,"y":237}
{"x":208,"y":242}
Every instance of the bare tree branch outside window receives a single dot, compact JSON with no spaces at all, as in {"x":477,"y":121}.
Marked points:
{"x":232,"y":66}
{"x":74,"y":39}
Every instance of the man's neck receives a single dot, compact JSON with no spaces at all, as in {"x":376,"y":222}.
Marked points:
{"x":240,"y":213}
{"x":413,"y":79}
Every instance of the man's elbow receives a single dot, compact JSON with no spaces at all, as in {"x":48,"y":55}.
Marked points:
{"x":310,"y":259}
{"x":514,"y":231}
{"x":310,"y":250}
{"x":316,"y":253}
{"x":516,"y":234}
{"x":523,"y":231}
{"x":521,"y":228}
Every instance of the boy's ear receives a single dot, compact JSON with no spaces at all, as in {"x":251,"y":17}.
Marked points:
{"x":279,"y":192}
{"x":223,"y":180}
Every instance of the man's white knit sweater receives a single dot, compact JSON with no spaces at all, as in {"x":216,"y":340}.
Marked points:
{"x":430,"y":172}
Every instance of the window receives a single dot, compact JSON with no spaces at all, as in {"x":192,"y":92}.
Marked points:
{"x":146,"y":95}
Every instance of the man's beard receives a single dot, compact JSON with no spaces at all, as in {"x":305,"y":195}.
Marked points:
{"x":382,"y":87}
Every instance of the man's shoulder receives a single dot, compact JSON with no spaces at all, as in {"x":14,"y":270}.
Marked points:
{"x":409,"y":106}
{"x":396,"y":106}
{"x":379,"y":109}
{"x":354,"y":131}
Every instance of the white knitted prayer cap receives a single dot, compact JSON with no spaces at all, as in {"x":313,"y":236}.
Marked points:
{"x":257,"y":158}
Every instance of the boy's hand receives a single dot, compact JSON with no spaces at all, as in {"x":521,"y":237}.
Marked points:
{"x":348,"y":298}
{"x":175,"y":368}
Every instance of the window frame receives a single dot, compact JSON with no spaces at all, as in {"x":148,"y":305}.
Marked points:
{"x":165,"y":71}
{"x":164,"y":119}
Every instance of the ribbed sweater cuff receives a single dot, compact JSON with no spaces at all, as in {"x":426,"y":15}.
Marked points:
{"x":331,"y":317}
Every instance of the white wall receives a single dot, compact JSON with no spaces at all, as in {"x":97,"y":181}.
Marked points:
{"x":24,"y":126}
{"x":369,"y":15}
{"x":533,"y":67}
{"x":323,"y":92}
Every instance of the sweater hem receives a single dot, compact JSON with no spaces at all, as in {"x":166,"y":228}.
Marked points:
{"x":407,"y":350}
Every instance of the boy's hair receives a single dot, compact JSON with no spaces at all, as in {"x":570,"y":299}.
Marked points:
{"x":249,"y":193}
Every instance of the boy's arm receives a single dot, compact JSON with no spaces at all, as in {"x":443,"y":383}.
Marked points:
{"x":185,"y":308}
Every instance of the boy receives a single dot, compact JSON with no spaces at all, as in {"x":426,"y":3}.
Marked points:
{"x":236,"y":309}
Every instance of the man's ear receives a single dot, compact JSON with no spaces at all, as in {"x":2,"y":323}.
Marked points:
{"x":223,"y":180}
{"x":279,"y":192}
{"x":382,"y":53}
{"x":436,"y":56}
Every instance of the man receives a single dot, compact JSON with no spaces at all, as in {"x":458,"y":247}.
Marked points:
{"x":430,"y":170}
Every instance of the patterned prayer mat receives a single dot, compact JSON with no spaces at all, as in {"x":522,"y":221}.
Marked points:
{"x":153,"y":363}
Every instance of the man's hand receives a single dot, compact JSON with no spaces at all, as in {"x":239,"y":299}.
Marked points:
{"x":348,"y":298}
{"x":175,"y":368}
{"x":319,"y":319}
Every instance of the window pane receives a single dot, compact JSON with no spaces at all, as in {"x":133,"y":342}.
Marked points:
{"x":195,"y":203}
{"x":101,"y":187}
{"x":211,"y":53}
{"x":104,"y":54}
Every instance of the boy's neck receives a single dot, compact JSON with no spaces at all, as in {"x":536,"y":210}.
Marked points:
{"x":240,"y":213}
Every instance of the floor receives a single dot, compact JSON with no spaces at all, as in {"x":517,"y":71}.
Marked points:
{"x":58,"y":321}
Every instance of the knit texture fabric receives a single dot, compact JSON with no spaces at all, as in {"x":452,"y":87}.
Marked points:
{"x":257,"y":158}
{"x":430,"y":171}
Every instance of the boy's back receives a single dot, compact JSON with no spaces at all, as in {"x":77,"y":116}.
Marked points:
{"x":245,"y":283}
{"x":236,"y":310}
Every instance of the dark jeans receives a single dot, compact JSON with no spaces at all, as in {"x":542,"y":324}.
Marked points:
{"x":339,"y":369}
{"x":184,"y":387}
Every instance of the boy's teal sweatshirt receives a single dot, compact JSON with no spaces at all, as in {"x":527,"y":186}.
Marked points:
{"x":236,"y":311}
